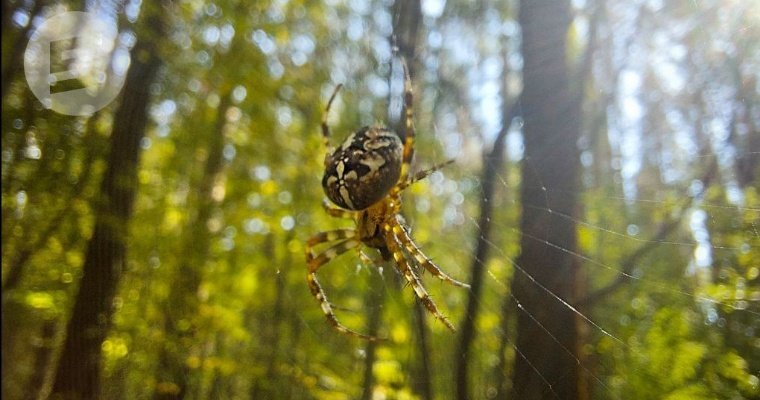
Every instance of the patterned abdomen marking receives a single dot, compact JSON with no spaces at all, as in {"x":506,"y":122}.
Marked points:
{"x":364,"y":168}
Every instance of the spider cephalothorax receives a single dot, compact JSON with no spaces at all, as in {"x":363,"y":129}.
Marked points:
{"x":364,"y":168}
{"x":365,"y":176}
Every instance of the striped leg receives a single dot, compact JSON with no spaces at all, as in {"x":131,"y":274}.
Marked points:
{"x":423,"y":260}
{"x":409,"y":121}
{"x":347,"y":242}
{"x":337,"y":212}
{"x":394,"y":245}
{"x":421,"y":175}
{"x":326,"y":237}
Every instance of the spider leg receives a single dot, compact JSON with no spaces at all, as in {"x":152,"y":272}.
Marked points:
{"x":315,"y":261}
{"x":422,"y":175}
{"x":409,"y":121}
{"x":392,"y":230}
{"x":422,"y":259}
{"x":325,"y":128}
{"x":328,"y":236}
{"x":337,"y":212}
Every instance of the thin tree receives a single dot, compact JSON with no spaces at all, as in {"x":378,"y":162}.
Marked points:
{"x":78,"y":371}
{"x":493,"y":161}
{"x":406,"y":28}
{"x":546,"y":326}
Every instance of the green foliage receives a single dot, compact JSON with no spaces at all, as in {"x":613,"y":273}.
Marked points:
{"x":214,"y":289}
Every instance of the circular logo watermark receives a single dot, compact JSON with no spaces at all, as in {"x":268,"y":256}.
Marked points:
{"x":69,"y":63}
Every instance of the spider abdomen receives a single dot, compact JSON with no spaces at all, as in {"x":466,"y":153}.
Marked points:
{"x":363,"y":168}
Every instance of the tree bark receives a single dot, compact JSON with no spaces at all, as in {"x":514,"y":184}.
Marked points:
{"x":550,"y":182}
{"x":78,"y":371}
{"x":42,"y":357}
{"x":374,"y":301}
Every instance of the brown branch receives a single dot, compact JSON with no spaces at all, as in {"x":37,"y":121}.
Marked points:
{"x":630,"y":261}
{"x":19,"y":260}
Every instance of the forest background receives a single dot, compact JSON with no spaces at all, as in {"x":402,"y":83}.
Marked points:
{"x":603,"y":203}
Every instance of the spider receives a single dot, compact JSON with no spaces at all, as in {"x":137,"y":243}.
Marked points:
{"x":364,"y":178}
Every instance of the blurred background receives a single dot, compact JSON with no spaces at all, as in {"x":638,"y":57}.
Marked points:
{"x":603,"y":202}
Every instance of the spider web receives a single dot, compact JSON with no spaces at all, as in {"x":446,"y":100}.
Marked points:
{"x":446,"y":202}
{"x":651,"y":220}
{"x":688,"y":236}
{"x":502,"y":266}
{"x":639,"y":279}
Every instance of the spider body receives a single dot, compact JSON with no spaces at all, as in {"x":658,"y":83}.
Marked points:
{"x":364,"y":168}
{"x":364,"y":177}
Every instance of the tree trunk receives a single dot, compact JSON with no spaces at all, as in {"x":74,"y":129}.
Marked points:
{"x":78,"y":372}
{"x":374,"y":301}
{"x":42,"y":358}
{"x":492,"y":163}
{"x":550,"y":182}
{"x":407,"y":16}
